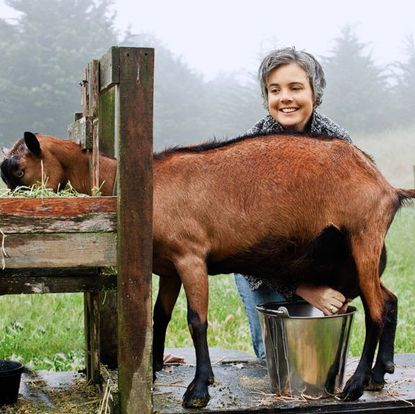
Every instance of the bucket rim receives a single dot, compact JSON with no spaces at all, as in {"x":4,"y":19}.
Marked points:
{"x":11,"y":367}
{"x":351,"y":310}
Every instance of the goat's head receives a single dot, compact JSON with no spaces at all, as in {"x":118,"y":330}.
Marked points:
{"x":29,"y":162}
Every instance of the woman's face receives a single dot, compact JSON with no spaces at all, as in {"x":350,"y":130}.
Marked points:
{"x":290,"y":97}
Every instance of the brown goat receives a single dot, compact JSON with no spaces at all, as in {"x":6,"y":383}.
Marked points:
{"x":282,"y":208}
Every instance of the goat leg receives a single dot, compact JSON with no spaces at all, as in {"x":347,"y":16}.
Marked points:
{"x":384,"y":360}
{"x":358,"y":381}
{"x":367,"y":250}
{"x":193,"y":273}
{"x":169,"y":288}
{"x":197,"y":394}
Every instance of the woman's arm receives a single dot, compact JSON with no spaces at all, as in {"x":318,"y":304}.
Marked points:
{"x":328,"y":300}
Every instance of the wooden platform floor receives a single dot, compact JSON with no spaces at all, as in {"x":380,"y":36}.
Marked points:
{"x":241,"y":385}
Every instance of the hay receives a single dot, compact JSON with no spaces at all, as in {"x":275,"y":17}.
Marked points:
{"x":76,"y":398}
{"x":40,"y":190}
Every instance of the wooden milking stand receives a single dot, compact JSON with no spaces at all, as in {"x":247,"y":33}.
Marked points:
{"x":61,"y":244}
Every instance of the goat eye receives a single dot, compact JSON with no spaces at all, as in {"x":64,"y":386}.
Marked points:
{"x":19,"y":174}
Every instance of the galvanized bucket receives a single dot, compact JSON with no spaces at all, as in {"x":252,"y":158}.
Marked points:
{"x":305,"y":350}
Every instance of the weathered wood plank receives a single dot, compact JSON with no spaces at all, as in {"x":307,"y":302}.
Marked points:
{"x":245,"y":388}
{"x":62,"y":214}
{"x":91,"y":300}
{"x":94,"y":159}
{"x":109,"y":319}
{"x":135,"y":229}
{"x":93,"y":88}
{"x":92,"y":329}
{"x":106,"y":116}
{"x":110,"y":68}
{"x":42,"y":250}
{"x":81,"y":132}
{"x":56,"y":284}
{"x":85,"y":93}
{"x":89,"y":223}
{"x":57,"y":206}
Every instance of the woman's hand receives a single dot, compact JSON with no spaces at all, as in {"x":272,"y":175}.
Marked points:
{"x":328,"y":300}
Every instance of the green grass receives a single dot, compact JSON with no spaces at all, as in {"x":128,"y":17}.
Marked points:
{"x":46,"y":331}
{"x":43,"y":331}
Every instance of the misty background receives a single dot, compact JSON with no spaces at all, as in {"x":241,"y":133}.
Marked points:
{"x":206,"y":63}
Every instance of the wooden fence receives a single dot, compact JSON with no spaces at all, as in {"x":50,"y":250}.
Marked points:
{"x":62,"y":244}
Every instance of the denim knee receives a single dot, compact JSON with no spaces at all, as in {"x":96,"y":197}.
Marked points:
{"x":250,"y":299}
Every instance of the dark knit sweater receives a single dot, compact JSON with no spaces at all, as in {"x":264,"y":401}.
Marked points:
{"x":319,"y":125}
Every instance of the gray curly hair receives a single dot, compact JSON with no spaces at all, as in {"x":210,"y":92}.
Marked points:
{"x":305,"y":60}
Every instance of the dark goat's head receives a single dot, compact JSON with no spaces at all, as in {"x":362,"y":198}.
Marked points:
{"x":22,"y":163}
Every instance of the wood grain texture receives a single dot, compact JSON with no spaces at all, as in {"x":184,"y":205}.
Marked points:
{"x":63,"y":215}
{"x":57,"y":207}
{"x":92,"y":335}
{"x":80,"y":131}
{"x":43,"y":250}
{"x":25,"y":282}
{"x":134,"y":258}
{"x":110,"y":68}
{"x":106,"y":128}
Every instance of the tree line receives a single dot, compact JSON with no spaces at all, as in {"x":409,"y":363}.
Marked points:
{"x":45,"y":50}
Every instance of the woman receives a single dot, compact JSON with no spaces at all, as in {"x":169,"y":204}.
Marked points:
{"x":292,"y":84}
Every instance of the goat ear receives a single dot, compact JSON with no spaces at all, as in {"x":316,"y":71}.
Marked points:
{"x":5,"y":151}
{"x":32,"y":143}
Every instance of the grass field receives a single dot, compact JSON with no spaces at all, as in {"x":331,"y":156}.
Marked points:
{"x":46,"y":331}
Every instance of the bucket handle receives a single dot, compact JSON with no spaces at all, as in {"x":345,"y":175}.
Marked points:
{"x":281,"y":311}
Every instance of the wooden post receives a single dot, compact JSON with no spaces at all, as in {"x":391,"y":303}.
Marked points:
{"x":92,"y":305}
{"x":135,"y":207}
{"x":109,"y":77}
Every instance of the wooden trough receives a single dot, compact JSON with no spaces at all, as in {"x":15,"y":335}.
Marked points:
{"x":58,"y":233}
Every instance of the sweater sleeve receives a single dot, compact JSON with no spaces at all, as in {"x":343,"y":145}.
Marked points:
{"x":287,"y":289}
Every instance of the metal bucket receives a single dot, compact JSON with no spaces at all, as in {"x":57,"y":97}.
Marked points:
{"x":305,"y":350}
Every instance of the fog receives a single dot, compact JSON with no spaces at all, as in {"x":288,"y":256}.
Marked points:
{"x":207,"y":55}
{"x":226,"y":36}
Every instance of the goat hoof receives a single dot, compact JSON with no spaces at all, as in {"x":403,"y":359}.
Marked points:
{"x":196,"y":396}
{"x":375,"y":386}
{"x":353,"y":390}
{"x":389,"y":367}
{"x":158,"y":366}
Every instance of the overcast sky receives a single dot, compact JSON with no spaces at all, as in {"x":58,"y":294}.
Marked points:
{"x":215,"y":36}
{"x":228,"y":35}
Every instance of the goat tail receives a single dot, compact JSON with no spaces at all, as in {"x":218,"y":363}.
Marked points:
{"x":405,"y":195}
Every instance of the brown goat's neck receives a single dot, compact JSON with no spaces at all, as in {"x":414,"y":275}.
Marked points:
{"x":75,"y":164}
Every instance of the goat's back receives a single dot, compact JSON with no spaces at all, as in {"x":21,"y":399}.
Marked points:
{"x":225,"y":199}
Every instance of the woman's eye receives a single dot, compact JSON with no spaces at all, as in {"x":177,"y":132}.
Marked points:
{"x":19,"y":174}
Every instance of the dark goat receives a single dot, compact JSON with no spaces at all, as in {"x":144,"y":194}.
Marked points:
{"x":282,"y":208}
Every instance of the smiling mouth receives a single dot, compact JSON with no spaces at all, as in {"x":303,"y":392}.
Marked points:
{"x":288,"y":110}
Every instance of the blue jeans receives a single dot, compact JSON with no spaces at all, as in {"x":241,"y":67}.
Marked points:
{"x":250,"y":299}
